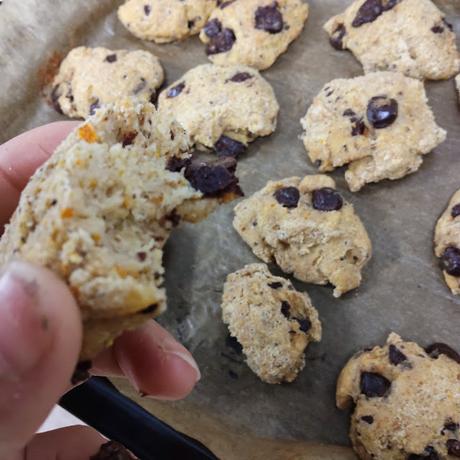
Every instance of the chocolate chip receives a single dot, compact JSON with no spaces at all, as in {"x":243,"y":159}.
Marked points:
{"x":221,"y":43}
{"x":374,"y":385}
{"x":304,"y":324}
{"x":147,"y":9}
{"x":358,"y":127}
{"x":174,"y":218}
{"x":269,"y":18}
{"x":215,"y":178}
{"x":450,"y":426}
{"x":128,"y":138}
{"x":450,"y":261}
{"x":190,"y":24}
{"x":275,"y":285}
{"x":370,"y":10}
{"x":112,"y":451}
{"x":448,"y":24}
{"x":233,"y":343}
{"x":212,"y":28}
{"x":94,"y":106}
{"x":153,"y":98}
{"x":288,"y":197}
{"x":150,"y":309}
{"x":223,"y":4}
{"x":175,"y":90}
{"x":396,"y":356}
{"x":55,"y":99}
{"x":368,"y":419}
{"x":140,"y":86}
{"x":336,"y":39}
{"x":142,"y":255}
{"x":240,"y":77}
{"x":53,"y":202}
{"x":81,"y":372}
{"x":111,"y":58}
{"x":437,"y":349}
{"x":176,"y":164}
{"x":382,"y":111}
{"x":437,"y":29}
{"x":326,"y":199}
{"x":428,"y":454}
{"x":455,"y":212}
{"x":286,"y":309}
{"x":453,"y":447}
{"x":228,"y":147}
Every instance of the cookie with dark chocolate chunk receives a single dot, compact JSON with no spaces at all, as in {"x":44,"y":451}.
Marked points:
{"x":252,"y":32}
{"x":405,"y":395}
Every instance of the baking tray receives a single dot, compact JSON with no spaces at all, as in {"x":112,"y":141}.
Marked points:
{"x":402,"y":290}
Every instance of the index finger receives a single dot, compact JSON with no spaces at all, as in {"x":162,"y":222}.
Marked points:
{"x":21,"y":156}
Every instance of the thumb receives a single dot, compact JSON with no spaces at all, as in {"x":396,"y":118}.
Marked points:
{"x":40,"y":339}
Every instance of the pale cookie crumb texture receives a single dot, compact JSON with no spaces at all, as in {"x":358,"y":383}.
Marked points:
{"x":380,"y":125}
{"x":408,"y":36}
{"x":447,"y":243}
{"x":222,"y":107}
{"x":252,"y":32}
{"x":100,"y":210}
{"x":164,"y":21}
{"x":308,"y":229}
{"x":90,"y":78}
{"x":406,"y":401}
{"x":272,"y":321}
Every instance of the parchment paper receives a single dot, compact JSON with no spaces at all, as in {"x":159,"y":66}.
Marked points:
{"x":402,"y":291}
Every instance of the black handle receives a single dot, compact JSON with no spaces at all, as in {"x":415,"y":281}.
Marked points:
{"x":100,"y":405}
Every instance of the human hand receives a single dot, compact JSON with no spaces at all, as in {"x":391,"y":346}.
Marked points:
{"x":41,"y":331}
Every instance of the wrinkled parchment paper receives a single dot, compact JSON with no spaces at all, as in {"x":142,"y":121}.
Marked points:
{"x":403,"y":290}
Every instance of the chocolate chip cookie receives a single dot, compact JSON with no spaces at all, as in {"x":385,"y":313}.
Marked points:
{"x":407,"y":36}
{"x":90,"y":78}
{"x":407,"y":401}
{"x":380,"y":124}
{"x":100,"y":210}
{"x":165,"y":21}
{"x":308,"y":229}
{"x":252,"y":32}
{"x":447,"y":243}
{"x":272,"y":321}
{"x":222,"y":107}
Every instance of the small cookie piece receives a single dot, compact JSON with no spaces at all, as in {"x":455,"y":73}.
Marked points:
{"x":100,"y":210}
{"x":407,"y":36}
{"x":308,"y":229}
{"x":164,"y":21}
{"x":252,"y":32}
{"x":222,"y":107}
{"x":90,"y":78}
{"x":447,"y":243}
{"x":407,"y":401}
{"x":380,"y":123}
{"x":112,"y":450}
{"x":271,"y":320}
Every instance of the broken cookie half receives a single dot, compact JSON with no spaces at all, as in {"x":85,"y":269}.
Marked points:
{"x":272,"y":321}
{"x":100,"y":210}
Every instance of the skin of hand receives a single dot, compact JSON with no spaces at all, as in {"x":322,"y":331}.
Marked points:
{"x":40,"y":335}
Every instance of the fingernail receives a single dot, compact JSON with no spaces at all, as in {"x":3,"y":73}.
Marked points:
{"x":171,"y":347}
{"x":24,"y":327}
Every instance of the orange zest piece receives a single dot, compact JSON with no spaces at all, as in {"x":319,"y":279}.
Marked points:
{"x":88,"y":134}
{"x":66,"y":213}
